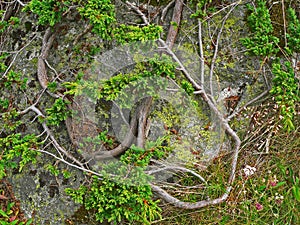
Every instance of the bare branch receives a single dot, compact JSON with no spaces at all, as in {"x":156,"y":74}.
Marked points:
{"x":142,"y":114}
{"x":21,"y":3}
{"x":284,"y":22}
{"x":248,"y":103}
{"x":187,"y":205}
{"x":202,"y":65}
{"x":165,"y":10}
{"x":49,"y":133}
{"x":128,"y":140}
{"x":177,"y":168}
{"x":15,"y":57}
{"x":181,"y":66}
{"x":216,"y":49}
{"x":79,"y":36}
{"x":177,"y":186}
{"x":70,"y":164}
{"x":42,"y":71}
{"x":138,"y":11}
{"x":224,"y":8}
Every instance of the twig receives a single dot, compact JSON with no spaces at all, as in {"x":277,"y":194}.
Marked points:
{"x":21,"y":3}
{"x":284,"y":22}
{"x":15,"y":57}
{"x":181,"y":66}
{"x":70,"y":164}
{"x":247,"y":104}
{"x":188,"y":205}
{"x":224,"y":8}
{"x":138,"y":11}
{"x":165,"y":10}
{"x":79,"y":36}
{"x":202,"y":65}
{"x":177,"y":168}
{"x":214,"y":58}
{"x":176,"y":186}
{"x":54,"y":141}
{"x":48,"y":64}
{"x":121,"y":113}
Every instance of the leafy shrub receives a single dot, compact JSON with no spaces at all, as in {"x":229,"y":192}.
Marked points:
{"x":286,"y":92}
{"x":261,"y":42}
{"x":49,"y":11}
{"x":293,"y":33}
{"x":58,"y":112}
{"x":15,"y":146}
{"x":123,"y":196}
{"x":101,"y":14}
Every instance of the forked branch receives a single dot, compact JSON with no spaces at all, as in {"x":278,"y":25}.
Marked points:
{"x":200,"y":90}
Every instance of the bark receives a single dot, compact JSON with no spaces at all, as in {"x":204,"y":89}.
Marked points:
{"x":136,"y":132}
{"x":176,"y":18}
{"x":42,"y":70}
{"x":143,"y":112}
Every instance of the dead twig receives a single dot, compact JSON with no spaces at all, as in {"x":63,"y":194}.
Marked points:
{"x":51,"y":136}
{"x":165,"y":10}
{"x":15,"y":57}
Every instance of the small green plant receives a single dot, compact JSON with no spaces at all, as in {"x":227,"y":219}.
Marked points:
{"x":293,"y":34}
{"x":125,"y":196}
{"x":94,"y":143}
{"x":203,"y":9}
{"x":3,"y":57}
{"x":13,"y":21}
{"x":49,"y":11}
{"x":123,"y":193}
{"x":141,"y":157}
{"x":187,"y":86}
{"x":58,"y":112}
{"x":110,"y":89}
{"x":4,"y":103}
{"x":104,"y":138}
{"x":128,"y":33}
{"x":52,"y":86}
{"x":13,"y":77}
{"x":52,"y":169}
{"x":285,"y":89}
{"x":262,"y":42}
{"x":14,"y":146}
{"x":101,"y":14}
{"x":10,"y":120}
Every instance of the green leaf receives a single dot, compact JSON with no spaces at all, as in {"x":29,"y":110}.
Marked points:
{"x":14,"y":222}
{"x":280,"y":184}
{"x":2,"y":213}
{"x":296,"y":192}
